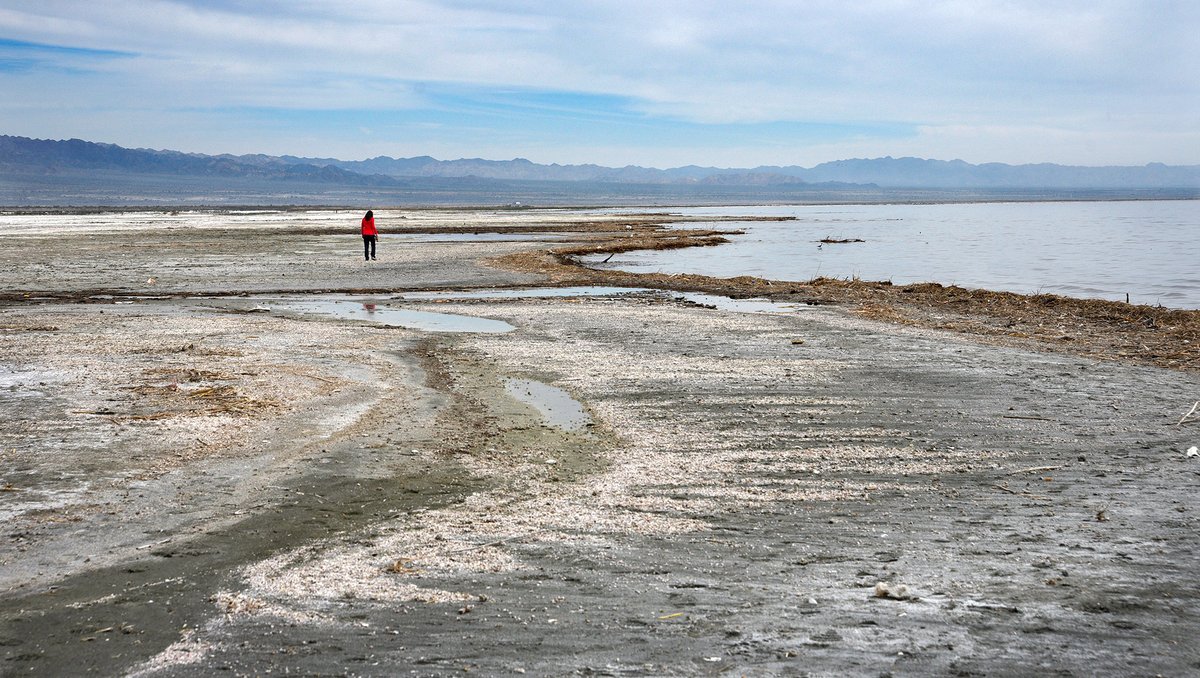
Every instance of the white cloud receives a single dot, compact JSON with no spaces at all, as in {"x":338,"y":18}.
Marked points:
{"x":991,"y":66}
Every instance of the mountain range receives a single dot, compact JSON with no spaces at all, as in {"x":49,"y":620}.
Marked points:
{"x":34,"y":171}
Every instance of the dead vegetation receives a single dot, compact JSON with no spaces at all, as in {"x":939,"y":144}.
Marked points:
{"x":1096,"y":328}
{"x":185,"y":392}
{"x":189,"y":374}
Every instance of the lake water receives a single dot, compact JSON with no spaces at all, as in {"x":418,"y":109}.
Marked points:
{"x":1149,"y":250}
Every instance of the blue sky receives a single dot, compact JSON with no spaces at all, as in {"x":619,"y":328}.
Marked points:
{"x":655,"y":83}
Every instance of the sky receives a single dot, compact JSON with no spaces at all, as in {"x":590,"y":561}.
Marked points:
{"x":656,"y":83}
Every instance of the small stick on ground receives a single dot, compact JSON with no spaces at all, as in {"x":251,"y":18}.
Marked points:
{"x":1028,"y":495}
{"x":1184,"y":418}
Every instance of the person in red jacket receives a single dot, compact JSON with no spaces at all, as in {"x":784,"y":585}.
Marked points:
{"x":369,"y":235}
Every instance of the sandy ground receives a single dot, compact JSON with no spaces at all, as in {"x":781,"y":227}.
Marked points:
{"x":196,"y":483}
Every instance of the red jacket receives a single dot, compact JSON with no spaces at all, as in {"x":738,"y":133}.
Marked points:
{"x":368,"y":226}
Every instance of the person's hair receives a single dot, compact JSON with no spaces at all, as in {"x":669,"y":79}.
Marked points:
{"x":370,"y":215}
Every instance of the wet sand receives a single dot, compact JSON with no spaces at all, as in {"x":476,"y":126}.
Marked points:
{"x":198,"y":477}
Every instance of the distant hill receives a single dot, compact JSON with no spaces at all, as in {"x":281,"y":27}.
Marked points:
{"x":41,"y":171}
{"x":920,"y":173}
{"x":879,"y":172}
{"x":20,"y":155}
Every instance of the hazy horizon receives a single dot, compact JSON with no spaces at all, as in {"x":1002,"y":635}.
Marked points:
{"x":524,"y":159}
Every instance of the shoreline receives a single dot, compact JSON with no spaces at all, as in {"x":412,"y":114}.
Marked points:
{"x":1101,"y":329}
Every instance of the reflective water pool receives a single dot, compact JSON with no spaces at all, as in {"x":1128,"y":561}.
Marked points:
{"x":394,"y":317}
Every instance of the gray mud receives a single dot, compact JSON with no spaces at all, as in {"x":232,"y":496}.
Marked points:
{"x":190,"y":488}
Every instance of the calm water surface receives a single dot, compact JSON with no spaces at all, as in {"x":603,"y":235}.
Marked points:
{"x":1147,"y":249}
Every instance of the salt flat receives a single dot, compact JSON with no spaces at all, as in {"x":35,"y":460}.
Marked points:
{"x":198,"y":479}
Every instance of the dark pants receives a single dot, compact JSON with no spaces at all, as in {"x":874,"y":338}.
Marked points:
{"x":369,"y":247}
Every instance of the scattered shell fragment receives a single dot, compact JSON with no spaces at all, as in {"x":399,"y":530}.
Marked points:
{"x":892,"y":591}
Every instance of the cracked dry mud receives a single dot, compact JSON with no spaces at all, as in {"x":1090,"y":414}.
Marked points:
{"x":192,"y":488}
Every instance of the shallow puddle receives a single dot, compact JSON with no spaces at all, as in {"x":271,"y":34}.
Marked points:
{"x":373,"y":311}
{"x":398,"y":317}
{"x":740,"y":305}
{"x":721,"y":303}
{"x":529,"y":293}
{"x":556,"y":405}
